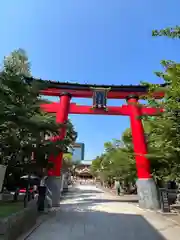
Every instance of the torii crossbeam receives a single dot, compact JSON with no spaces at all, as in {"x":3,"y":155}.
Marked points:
{"x":111,"y":110}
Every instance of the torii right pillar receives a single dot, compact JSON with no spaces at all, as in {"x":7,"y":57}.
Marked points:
{"x":146,"y":187}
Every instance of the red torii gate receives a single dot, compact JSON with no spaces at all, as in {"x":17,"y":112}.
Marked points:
{"x":66,"y":91}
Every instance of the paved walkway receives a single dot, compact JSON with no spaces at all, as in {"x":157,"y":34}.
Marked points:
{"x":88,"y":213}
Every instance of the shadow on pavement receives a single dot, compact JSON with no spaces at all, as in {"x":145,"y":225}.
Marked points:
{"x":87,"y":223}
{"x":87,"y":220}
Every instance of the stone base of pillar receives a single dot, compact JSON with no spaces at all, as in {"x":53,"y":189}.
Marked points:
{"x":147,"y":193}
{"x":54,"y":185}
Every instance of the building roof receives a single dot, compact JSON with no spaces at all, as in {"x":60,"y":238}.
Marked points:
{"x":86,"y":162}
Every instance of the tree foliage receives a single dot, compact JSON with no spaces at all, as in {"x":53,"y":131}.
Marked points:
{"x":162,"y":132}
{"x":23,"y":126}
{"x":67,"y":161}
{"x":116,"y":161}
{"x":171,"y":32}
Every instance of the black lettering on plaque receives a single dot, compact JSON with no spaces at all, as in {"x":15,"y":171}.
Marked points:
{"x":99,"y":99}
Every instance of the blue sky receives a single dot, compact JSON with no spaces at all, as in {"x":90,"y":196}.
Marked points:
{"x":91,"y":41}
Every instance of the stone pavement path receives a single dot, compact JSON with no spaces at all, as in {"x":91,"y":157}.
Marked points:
{"x":88,"y":213}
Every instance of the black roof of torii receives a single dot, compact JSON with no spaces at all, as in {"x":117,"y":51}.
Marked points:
{"x":85,"y":86}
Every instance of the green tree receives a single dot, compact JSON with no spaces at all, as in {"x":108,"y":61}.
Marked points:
{"x":171,"y":32}
{"x":67,"y":162}
{"x":22,"y":123}
{"x":164,"y":139}
{"x":116,"y":162}
{"x":164,"y":134}
{"x":96,"y":166}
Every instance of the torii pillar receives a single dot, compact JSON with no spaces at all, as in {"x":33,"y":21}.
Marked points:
{"x":54,"y":181}
{"x":146,"y":187}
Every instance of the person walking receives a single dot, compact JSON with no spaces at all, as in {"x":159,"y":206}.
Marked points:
{"x":117,"y":186}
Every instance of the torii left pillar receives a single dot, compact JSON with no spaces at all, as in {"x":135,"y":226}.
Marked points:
{"x":54,"y":180}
